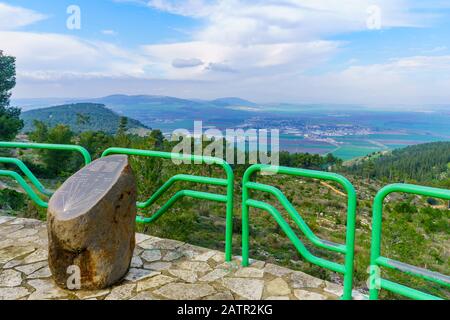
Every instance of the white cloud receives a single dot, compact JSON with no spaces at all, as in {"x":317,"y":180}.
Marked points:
{"x":109,"y":32}
{"x":265,"y":50}
{"x":12,"y":17}
{"x":55,"y":56}
{"x":186,"y":63}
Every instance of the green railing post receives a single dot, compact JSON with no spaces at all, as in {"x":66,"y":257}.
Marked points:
{"x":376,"y":282}
{"x":347,"y":249}
{"x":228,"y":182}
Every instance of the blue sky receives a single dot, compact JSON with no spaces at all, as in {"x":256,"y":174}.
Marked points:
{"x":319,"y":51}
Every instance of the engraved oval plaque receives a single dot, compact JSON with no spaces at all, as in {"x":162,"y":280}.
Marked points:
{"x":86,"y":187}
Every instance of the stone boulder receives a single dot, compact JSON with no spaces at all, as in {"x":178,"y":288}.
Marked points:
{"x":91,"y":225}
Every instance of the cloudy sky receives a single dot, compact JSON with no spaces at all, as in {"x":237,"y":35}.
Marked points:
{"x":386,"y":52}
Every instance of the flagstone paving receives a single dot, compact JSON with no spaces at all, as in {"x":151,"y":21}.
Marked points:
{"x":160,"y":269}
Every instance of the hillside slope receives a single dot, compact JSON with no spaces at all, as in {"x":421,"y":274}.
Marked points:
{"x":423,"y":163}
{"x":95,"y":117}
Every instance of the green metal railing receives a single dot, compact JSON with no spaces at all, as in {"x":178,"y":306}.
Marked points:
{"x":34,"y":181}
{"x":348,"y":249}
{"x":37,"y":192}
{"x":376,"y":260}
{"x":228,"y":183}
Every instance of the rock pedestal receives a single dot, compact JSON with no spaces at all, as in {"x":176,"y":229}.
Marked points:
{"x":91,"y":225}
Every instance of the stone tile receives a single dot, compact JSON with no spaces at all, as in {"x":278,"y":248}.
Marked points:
{"x":214,"y":275}
{"x":9,"y":253}
{"x":135,"y":274}
{"x":38,"y":255}
{"x":197,"y":266}
{"x":13,"y":293}
{"x":6,"y":242}
{"x":184,"y":291}
{"x":41,"y":273}
{"x":10,"y":278}
{"x":158,"y":266}
{"x":276,"y":270}
{"x":149,"y":243}
{"x":204,"y":256}
{"x":12,"y":263}
{"x":23,"y":233}
{"x":190,"y":251}
{"x":277,"y":287}
{"x":220,"y":296}
{"x":173,"y":255}
{"x":144,"y":295}
{"x":136,"y":262}
{"x":89,"y":294}
{"x":154,"y":282}
{"x":258,"y":264}
{"x":45,"y":289}
{"x":218,"y":257}
{"x":151,"y":255}
{"x":27,"y":222}
{"x":122,"y":292}
{"x":308,"y":295}
{"x":249,"y":272}
{"x":303,"y":280}
{"x":4,"y":219}
{"x":140,"y":237}
{"x":7,"y":229}
{"x":278,"y":298}
{"x":167,"y":244}
{"x":333,"y":288}
{"x":250,"y":289}
{"x":185,"y":275}
{"x":30,"y":268}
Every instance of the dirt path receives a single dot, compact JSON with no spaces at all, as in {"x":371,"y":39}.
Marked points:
{"x":333,"y":188}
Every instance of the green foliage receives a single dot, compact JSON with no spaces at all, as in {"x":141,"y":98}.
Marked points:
{"x":95,"y":142}
{"x":12,"y":200}
{"x":10,"y":122}
{"x":79,"y":117}
{"x":424,"y":163}
{"x":56,"y":161}
{"x":306,"y":160}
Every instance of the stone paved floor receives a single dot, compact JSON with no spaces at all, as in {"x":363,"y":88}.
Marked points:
{"x":160,"y":269}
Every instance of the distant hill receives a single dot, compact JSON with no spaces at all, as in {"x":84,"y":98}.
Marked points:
{"x":232,"y":101}
{"x":426,"y":163}
{"x":96,"y":117}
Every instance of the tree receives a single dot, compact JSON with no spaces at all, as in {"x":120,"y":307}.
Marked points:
{"x":83,"y":119}
{"x":10,"y":122}
{"x":123,"y":123}
{"x":56,"y":161}
{"x":95,"y":142}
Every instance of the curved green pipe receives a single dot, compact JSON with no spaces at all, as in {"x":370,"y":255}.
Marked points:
{"x":180,"y":177}
{"x":178,"y":196}
{"x":28,"y":174}
{"x":48,"y":146}
{"x":294,"y":239}
{"x":375,"y":252}
{"x":351,"y":213}
{"x":196,"y":159}
{"x":303,"y":226}
{"x":406,"y":291}
{"x":25,"y":186}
